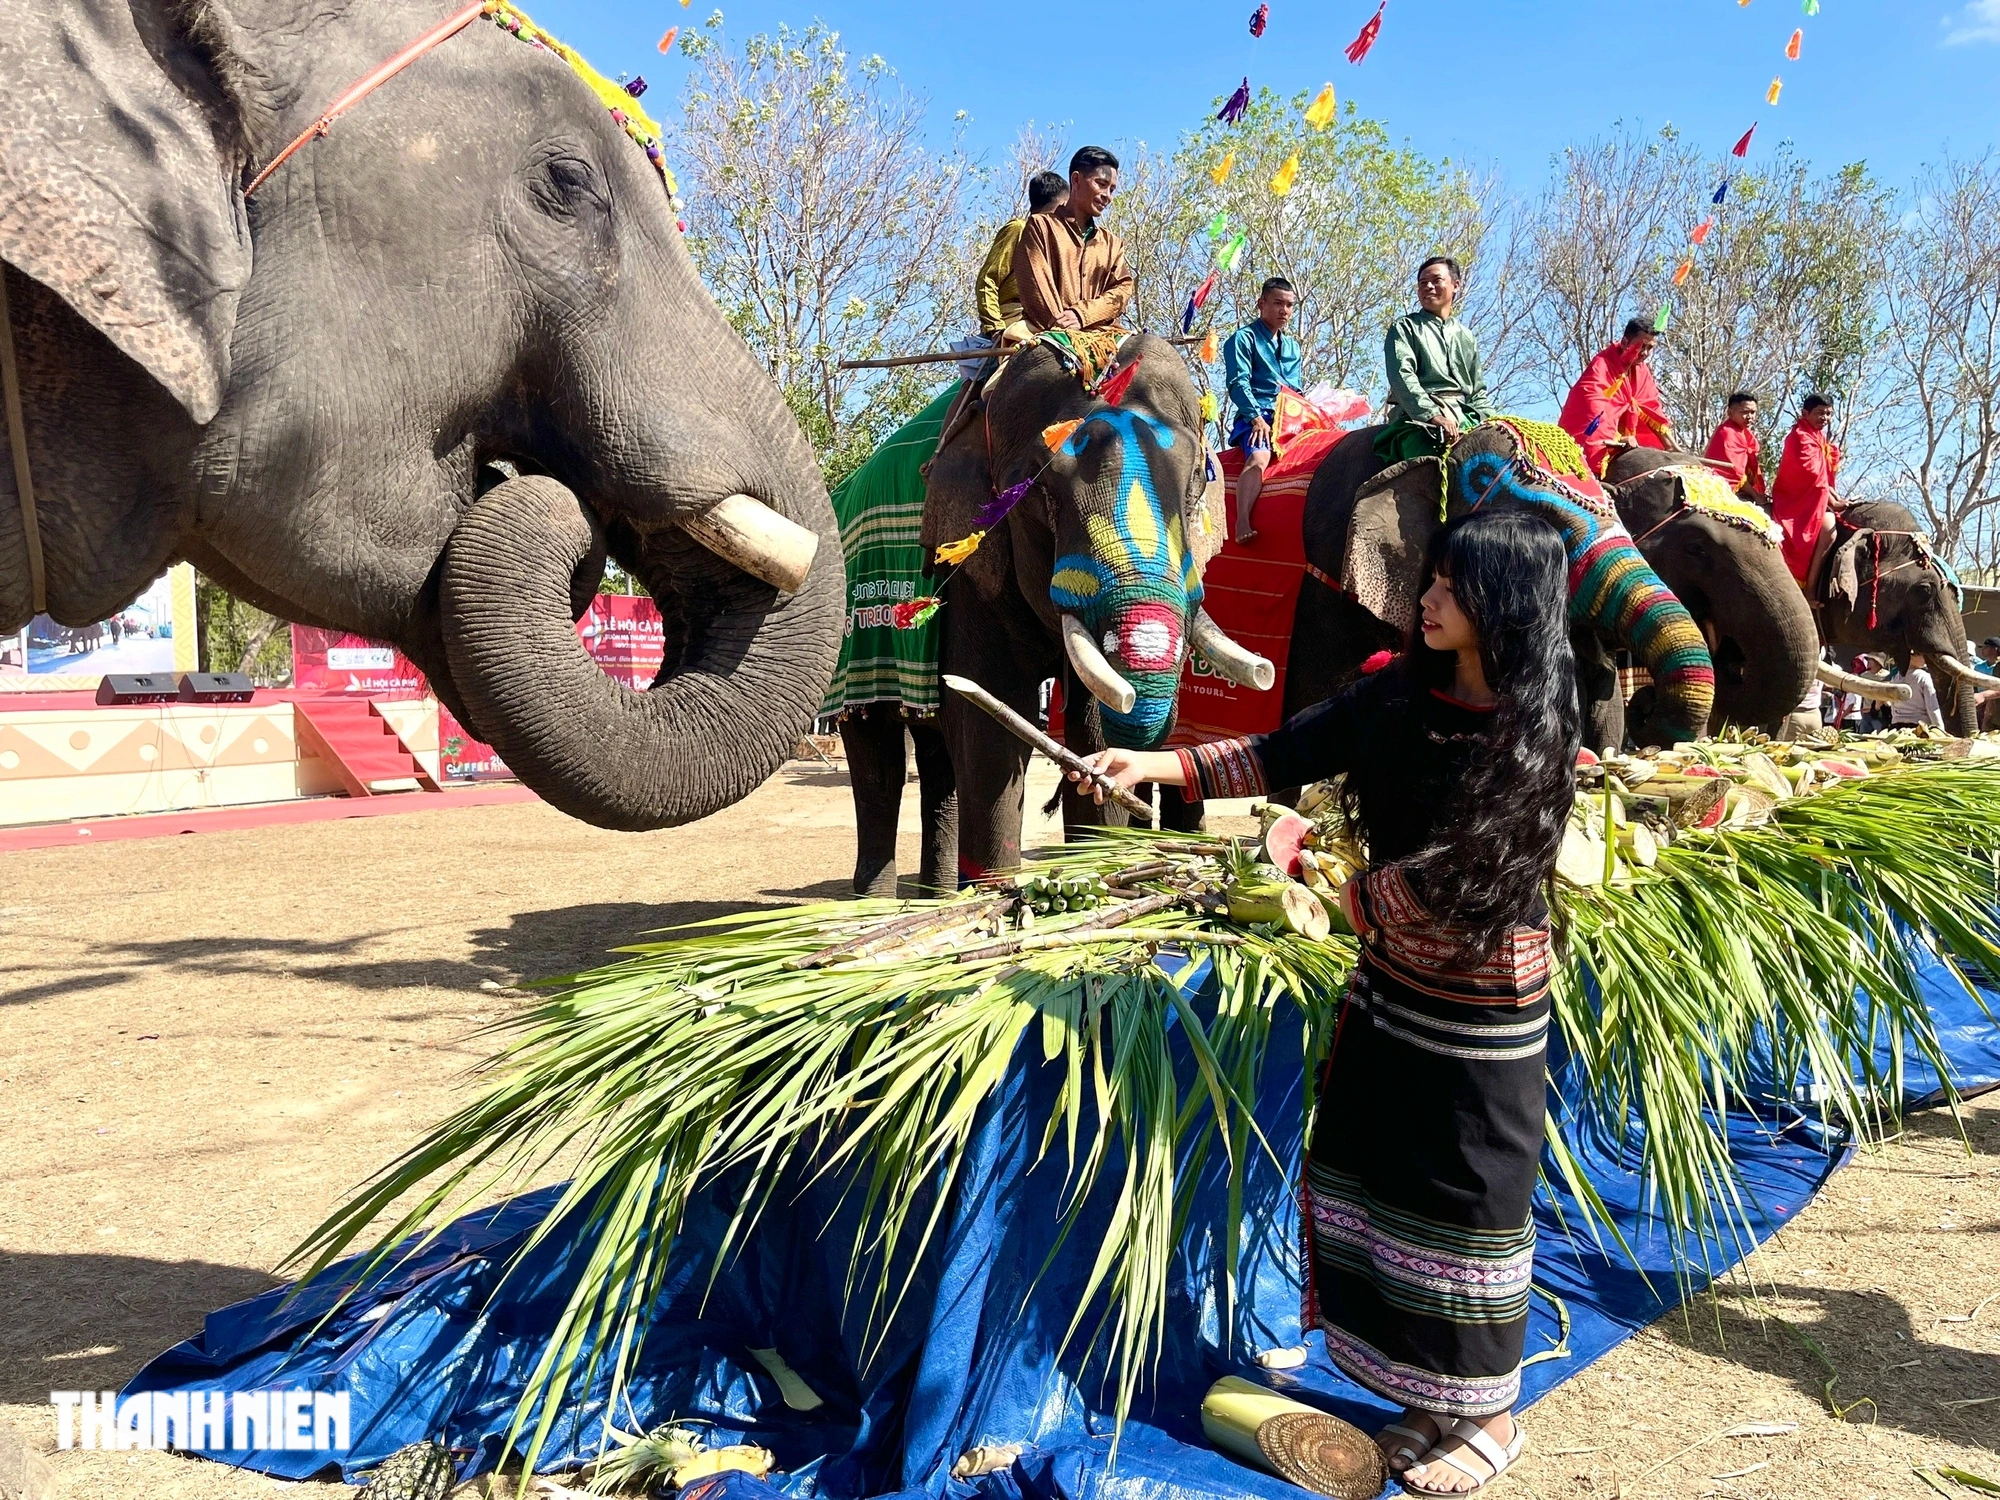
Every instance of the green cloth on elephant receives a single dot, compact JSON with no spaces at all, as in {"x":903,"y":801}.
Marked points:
{"x":880,"y":507}
{"x":1433,"y":366}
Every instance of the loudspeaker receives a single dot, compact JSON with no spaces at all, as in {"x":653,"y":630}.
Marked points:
{"x":217,"y":687}
{"x":152,"y":688}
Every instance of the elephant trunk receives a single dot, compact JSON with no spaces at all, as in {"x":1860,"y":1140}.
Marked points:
{"x":1964,"y":682}
{"x":1618,"y":592}
{"x":716,"y":724}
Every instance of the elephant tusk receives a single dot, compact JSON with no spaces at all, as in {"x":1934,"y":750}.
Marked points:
{"x":1238,"y":664}
{"x":746,"y":532}
{"x":1093,"y":671}
{"x":1961,"y":671}
{"x":1862,"y":687}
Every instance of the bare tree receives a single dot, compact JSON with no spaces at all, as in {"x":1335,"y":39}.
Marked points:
{"x":1941,"y":423}
{"x":823,"y":224}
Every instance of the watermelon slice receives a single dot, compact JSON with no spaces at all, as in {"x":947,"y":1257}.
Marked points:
{"x":1287,"y":836}
{"x":1586,"y":757}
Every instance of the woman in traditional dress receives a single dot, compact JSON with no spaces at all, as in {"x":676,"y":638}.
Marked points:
{"x":1459,"y":759}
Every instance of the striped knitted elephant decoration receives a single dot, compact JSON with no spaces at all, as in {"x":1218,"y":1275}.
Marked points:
{"x":1510,"y":461}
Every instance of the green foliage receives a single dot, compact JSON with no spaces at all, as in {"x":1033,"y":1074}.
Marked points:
{"x":236,"y":637}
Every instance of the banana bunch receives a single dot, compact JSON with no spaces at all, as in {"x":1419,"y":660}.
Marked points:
{"x":1049,"y":892}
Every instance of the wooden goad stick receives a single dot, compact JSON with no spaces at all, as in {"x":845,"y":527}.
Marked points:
{"x":1067,"y":759}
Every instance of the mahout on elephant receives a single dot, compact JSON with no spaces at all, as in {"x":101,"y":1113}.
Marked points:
{"x":418,"y":386}
{"x":1092,"y":578}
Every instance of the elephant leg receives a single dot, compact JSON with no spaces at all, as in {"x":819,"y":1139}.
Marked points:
{"x":994,"y":766}
{"x":937,"y":793}
{"x":873,"y":739}
{"x":1598,"y":699}
{"x":1180,"y":813}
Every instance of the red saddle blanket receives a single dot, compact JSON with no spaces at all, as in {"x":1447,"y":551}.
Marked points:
{"x":1251,"y":592}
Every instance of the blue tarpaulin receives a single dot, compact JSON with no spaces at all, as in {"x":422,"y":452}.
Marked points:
{"x":976,"y":1353}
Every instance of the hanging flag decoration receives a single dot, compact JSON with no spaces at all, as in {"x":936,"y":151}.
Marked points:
{"x":636,"y":85}
{"x":1792,"y":47}
{"x":1771,"y":94}
{"x":954,"y":553}
{"x":1218,"y":226}
{"x":1259,"y":19}
{"x":1203,"y":292}
{"x":1112,"y":388}
{"x":1057,"y":433}
{"x":1232,"y":253}
{"x":1187,"y":317}
{"x":1211,"y":408}
{"x":1232,"y":109}
{"x":1210,"y":348}
{"x":667,"y":41}
{"x":1663,"y":317}
{"x":912,"y":613}
{"x":1358,"y":48}
{"x":1319,"y":113}
{"x":1222,"y":169}
{"x":1682,"y":271}
{"x":1721,"y":192}
{"x":1811,"y":7}
{"x":994,"y":511}
{"x":1742,"y":147}
{"x":1287,"y":175}
{"x":1700,"y":235}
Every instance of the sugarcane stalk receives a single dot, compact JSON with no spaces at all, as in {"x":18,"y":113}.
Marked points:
{"x":1062,"y":755}
{"x":901,"y":928}
{"x":953,"y":356}
{"x":1195,"y":936}
{"x":1117,"y":918}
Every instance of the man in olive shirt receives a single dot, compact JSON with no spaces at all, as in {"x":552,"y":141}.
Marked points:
{"x":1436,"y":390}
{"x":997,"y":292}
{"x":1071,"y":271}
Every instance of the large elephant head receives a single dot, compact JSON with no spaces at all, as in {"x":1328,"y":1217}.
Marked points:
{"x":1612,"y":588}
{"x":1884,"y":589}
{"x":1721,"y":557}
{"x":1109,"y":526}
{"x":301,"y":391}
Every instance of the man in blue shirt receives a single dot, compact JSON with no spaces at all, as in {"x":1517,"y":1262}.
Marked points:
{"x":1258,"y":360}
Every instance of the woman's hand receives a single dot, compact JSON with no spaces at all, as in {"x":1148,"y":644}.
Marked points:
{"x":1126,"y":768}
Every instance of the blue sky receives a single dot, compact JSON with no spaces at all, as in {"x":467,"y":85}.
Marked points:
{"x":1498,"y":83}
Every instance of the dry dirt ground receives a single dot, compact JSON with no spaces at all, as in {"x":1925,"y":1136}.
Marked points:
{"x":205,"y":1040}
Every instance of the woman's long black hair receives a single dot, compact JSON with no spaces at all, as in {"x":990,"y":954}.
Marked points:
{"x":1496,"y":846}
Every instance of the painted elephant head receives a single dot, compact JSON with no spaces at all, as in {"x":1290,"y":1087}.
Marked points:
{"x":1886,"y":590}
{"x":1612,"y":588}
{"x":1720,"y":555}
{"x":301,"y":391}
{"x":1110,"y":522}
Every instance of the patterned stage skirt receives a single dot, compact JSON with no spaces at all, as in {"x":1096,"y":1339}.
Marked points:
{"x":1420,"y":1178}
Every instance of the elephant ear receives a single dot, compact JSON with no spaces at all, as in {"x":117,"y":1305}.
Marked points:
{"x":1843,"y":571}
{"x":1395,"y":514}
{"x":1206,"y":513}
{"x":114,"y":190}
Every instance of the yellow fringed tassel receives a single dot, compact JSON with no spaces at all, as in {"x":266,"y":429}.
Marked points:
{"x":957,"y":552}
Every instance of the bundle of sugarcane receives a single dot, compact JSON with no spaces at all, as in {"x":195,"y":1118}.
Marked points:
{"x":1748,"y":959}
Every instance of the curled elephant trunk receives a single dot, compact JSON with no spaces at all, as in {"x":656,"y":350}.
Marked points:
{"x":715,"y":725}
{"x":1102,"y":680}
{"x":1862,"y":687}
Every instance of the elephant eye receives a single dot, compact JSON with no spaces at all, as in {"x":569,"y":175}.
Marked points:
{"x":564,"y":185}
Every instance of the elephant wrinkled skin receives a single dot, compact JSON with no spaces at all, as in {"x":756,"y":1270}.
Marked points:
{"x":300,"y":392}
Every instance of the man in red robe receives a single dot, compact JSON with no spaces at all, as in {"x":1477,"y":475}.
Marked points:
{"x":1802,"y":495}
{"x":1733,"y":449}
{"x":1617,"y":403}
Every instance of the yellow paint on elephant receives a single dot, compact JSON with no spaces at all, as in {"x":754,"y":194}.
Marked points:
{"x":1079,"y":583}
{"x":1175,"y":550}
{"x":1107,"y":546}
{"x":1142,"y":522}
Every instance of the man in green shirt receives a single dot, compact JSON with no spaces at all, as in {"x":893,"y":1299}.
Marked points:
{"x":1436,"y":390}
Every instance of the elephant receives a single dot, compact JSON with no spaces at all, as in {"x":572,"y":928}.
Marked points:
{"x":1723,"y":562}
{"x":1367,"y":527}
{"x":1883,"y":589}
{"x":1092,"y":577}
{"x":443,"y":361}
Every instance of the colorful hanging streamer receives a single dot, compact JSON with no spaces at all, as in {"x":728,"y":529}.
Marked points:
{"x":1210,"y":348}
{"x":994,"y":511}
{"x":1700,"y":235}
{"x":957,"y":552}
{"x":1219,"y":174}
{"x":1358,"y":48}
{"x":635,"y":85}
{"x":1319,"y":113}
{"x":1233,"y":108}
{"x":1771,"y":94}
{"x":1663,"y":317}
{"x":1057,"y":433}
{"x":1682,"y":271}
{"x":915,"y":612}
{"x":1203,"y":292}
{"x":667,"y":41}
{"x":1112,"y":388}
{"x":1742,"y":147}
{"x":1811,"y":7}
{"x":1721,"y":192}
{"x":1287,"y":175}
{"x":1232,"y":253}
{"x":1259,"y":19}
{"x":1792,"y":47}
{"x":1211,"y":408}
{"x":1218,"y":226}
